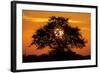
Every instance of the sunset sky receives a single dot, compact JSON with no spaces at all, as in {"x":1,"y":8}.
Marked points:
{"x":33,"y":20}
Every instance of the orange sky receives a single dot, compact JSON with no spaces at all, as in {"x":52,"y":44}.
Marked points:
{"x":33,"y":20}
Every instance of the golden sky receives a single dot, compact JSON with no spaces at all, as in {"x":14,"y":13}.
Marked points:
{"x":33,"y":20}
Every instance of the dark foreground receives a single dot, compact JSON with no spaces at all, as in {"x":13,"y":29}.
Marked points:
{"x":55,"y":57}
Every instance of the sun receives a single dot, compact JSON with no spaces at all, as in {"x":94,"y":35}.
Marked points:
{"x":59,"y":33}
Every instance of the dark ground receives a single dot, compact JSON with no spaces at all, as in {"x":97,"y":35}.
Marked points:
{"x":58,"y":56}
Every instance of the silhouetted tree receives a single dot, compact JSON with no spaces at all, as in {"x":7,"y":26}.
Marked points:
{"x":58,"y":35}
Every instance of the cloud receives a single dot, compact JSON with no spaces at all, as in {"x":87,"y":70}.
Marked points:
{"x":46,"y":19}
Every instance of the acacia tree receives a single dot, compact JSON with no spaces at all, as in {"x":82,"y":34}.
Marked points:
{"x":58,"y":35}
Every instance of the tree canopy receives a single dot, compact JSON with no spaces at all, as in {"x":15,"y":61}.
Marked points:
{"x":58,"y":35}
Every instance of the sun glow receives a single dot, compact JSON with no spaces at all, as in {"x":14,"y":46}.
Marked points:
{"x":59,"y":33}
